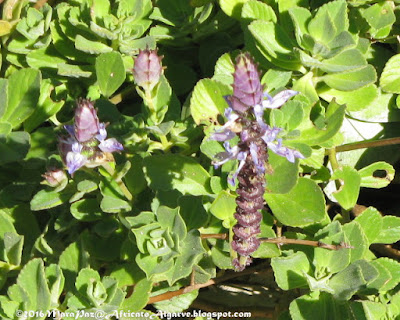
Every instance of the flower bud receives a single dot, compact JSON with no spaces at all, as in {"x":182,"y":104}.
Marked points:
{"x":147,"y":69}
{"x":54,"y":177}
{"x":247,"y":88}
{"x":86,"y":121}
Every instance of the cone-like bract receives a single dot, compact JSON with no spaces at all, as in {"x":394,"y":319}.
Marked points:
{"x":147,"y":69}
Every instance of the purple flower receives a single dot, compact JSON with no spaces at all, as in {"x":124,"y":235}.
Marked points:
{"x":107,"y":145}
{"x":288,"y":153}
{"x":86,"y":140}
{"x":86,"y":124}
{"x":277,"y":100}
{"x":147,"y":69}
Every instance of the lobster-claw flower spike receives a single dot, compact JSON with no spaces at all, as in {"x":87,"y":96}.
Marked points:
{"x":277,"y":100}
{"x":288,"y":153}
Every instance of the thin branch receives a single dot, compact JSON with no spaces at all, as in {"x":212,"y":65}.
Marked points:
{"x":222,"y":236}
{"x":230,"y":275}
{"x":367,"y":144}
{"x":386,"y":250}
{"x":312,"y":243}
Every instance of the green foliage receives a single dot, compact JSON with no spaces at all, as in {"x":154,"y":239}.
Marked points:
{"x":158,"y":217}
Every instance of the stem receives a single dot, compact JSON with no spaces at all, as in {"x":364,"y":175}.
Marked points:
{"x":171,"y":294}
{"x":312,"y":243}
{"x":366,"y":144}
{"x":120,"y":183}
{"x":332,"y":158}
{"x":284,"y":240}
{"x":123,"y":94}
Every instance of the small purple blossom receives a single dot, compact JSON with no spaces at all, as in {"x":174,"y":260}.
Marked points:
{"x":86,"y":140}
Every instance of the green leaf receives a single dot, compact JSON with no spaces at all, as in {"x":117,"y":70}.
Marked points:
{"x":134,"y":178}
{"x":192,"y":212}
{"x":44,"y":58}
{"x":176,"y":172}
{"x":110,"y":72}
{"x":379,"y":16}
{"x":23,"y":94}
{"x":13,"y":244}
{"x":393,"y":268}
{"x":32,"y":279}
{"x":333,"y":120}
{"x":357,"y":239}
{"x":371,"y":223}
{"x":140,"y":296}
{"x":274,"y":79}
{"x":56,"y":280}
{"x":92,"y":47}
{"x":232,"y":8}
{"x":275,"y":44}
{"x":191,"y":251}
{"x":74,"y":71}
{"x":73,"y":259}
{"x":86,"y":210}
{"x":46,"y":199}
{"x":355,"y":100}
{"x":321,"y":306}
{"x":331,"y":261}
{"x":255,"y":10}
{"x":14,"y":146}
{"x":207,"y":101}
{"x":390,"y":77}
{"x":45,"y":108}
{"x":351,"y":80}
{"x":390,"y":232}
{"x":293,"y":209}
{"x":368,"y":310}
{"x":224,"y":70}
{"x":284,"y":174}
{"x":224,"y":206}
{"x":350,"y":180}
{"x":289,"y":270}
{"x":380,"y":181}
{"x":347,"y":282}
{"x":3,"y":96}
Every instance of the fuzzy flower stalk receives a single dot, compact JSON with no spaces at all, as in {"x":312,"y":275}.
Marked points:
{"x":256,"y":138}
{"x":86,"y":143}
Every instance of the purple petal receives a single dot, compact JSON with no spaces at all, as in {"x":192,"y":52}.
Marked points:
{"x":229,"y":154}
{"x":223,"y":135}
{"x":102,"y":135}
{"x":74,"y":161}
{"x":270,"y":134}
{"x":254,"y":155}
{"x":279,"y":99}
{"x":242,"y":157}
{"x":288,"y":153}
{"x":70,"y":130}
{"x":110,"y":145}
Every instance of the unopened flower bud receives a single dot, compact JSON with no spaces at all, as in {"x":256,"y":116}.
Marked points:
{"x":54,"y":177}
{"x":147,"y":69}
{"x":247,"y":88}
{"x":86,"y":121}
